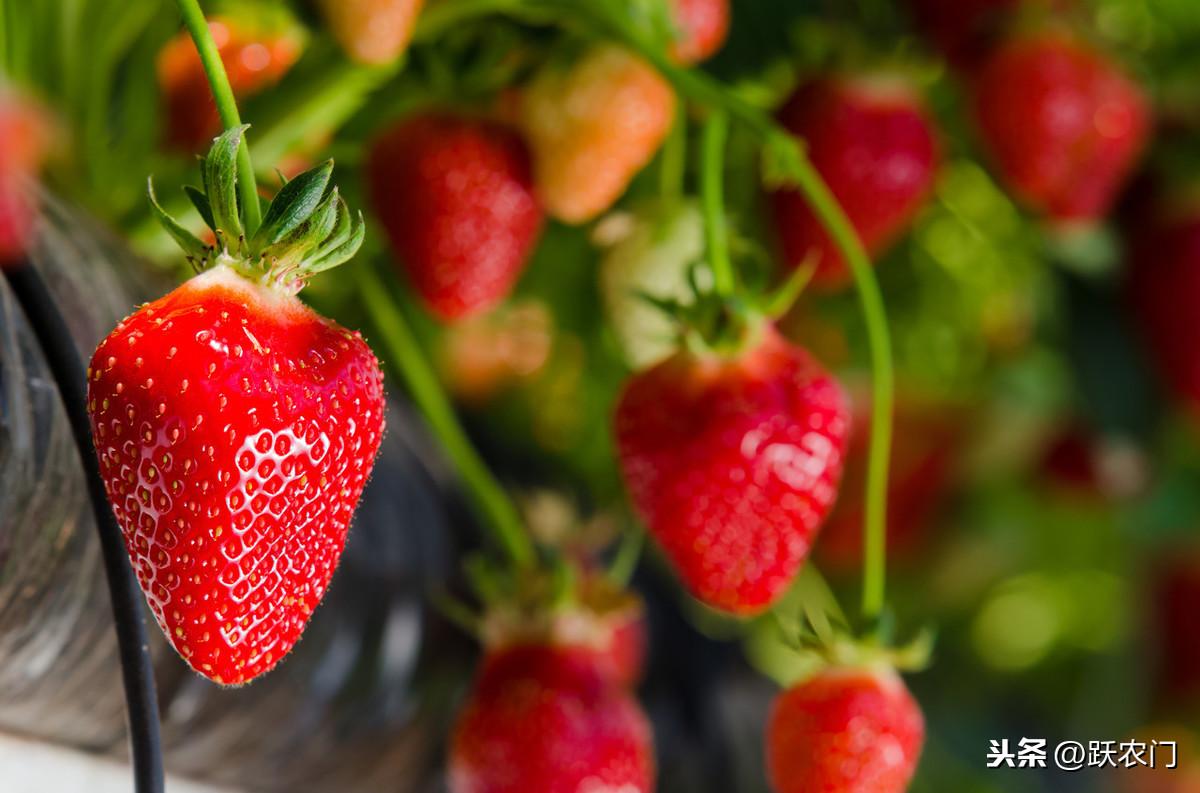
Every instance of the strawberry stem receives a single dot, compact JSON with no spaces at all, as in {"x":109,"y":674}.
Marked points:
{"x":214,"y":69}
{"x":672,"y":167}
{"x":404,"y":356}
{"x":712,"y":189}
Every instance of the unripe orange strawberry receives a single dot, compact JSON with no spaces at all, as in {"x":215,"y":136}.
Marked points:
{"x":372,"y":31}
{"x":592,"y":126}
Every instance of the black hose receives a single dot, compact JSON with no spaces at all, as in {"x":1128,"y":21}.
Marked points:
{"x":141,"y":698}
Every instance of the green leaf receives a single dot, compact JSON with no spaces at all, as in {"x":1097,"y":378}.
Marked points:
{"x":200,"y":201}
{"x":341,"y":253}
{"x":195,"y":250}
{"x":219,"y":170}
{"x":293,"y":205}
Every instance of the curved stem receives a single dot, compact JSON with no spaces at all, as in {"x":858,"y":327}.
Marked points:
{"x":712,"y":190}
{"x":404,"y":356}
{"x":125,"y":596}
{"x":672,"y":167}
{"x":193,"y":19}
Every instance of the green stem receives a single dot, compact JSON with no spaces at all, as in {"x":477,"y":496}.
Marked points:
{"x":193,"y":19}
{"x":712,"y":190}
{"x":407,"y":361}
{"x":628,"y":553}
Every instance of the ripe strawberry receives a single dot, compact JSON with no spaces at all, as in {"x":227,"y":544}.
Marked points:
{"x":733,"y":462}
{"x":236,"y":428}
{"x":1163,"y":283}
{"x":372,"y":31}
{"x":544,"y":718}
{"x":846,"y":730}
{"x":702,"y":27}
{"x":873,"y":142}
{"x":456,"y":199}
{"x":652,"y":257}
{"x":256,"y":51}
{"x":24,"y":139}
{"x":1063,"y":124}
{"x":592,"y":126}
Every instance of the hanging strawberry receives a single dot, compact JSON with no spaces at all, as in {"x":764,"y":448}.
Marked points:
{"x":236,"y":428}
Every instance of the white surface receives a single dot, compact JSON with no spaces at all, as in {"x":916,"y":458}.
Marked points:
{"x":28,"y":767}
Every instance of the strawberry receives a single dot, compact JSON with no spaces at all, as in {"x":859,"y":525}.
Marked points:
{"x":592,"y":126}
{"x":733,"y":462}
{"x":847,"y":730}
{"x":650,"y":254}
{"x":702,"y":26}
{"x":872,"y":141}
{"x":257,"y":49}
{"x":236,"y":428}
{"x":543,"y":718}
{"x":372,"y":31}
{"x":456,"y":199}
{"x":1063,"y":124}
{"x":1163,"y":288}
{"x":481,"y":356}
{"x":24,"y":140}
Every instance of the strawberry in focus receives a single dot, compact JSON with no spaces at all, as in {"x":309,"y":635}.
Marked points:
{"x":846,"y":730}
{"x":236,"y":428}
{"x":733,"y":462}
{"x":1063,"y":124}
{"x":256,"y":48}
{"x":456,"y":199}
{"x":591,"y":127}
{"x":703,"y":26}
{"x":873,"y":142}
{"x":545,"y":718}
{"x":372,"y":32}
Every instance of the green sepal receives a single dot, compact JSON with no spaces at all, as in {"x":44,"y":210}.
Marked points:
{"x":295,"y":202}
{"x":342,"y":253}
{"x":219,"y":171}
{"x":195,"y":250}
{"x":200,"y":202}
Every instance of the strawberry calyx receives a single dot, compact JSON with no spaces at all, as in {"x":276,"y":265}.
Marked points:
{"x":823,"y":644}
{"x":307,"y":227}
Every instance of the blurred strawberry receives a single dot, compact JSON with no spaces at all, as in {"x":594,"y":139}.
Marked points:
{"x":25,"y":138}
{"x":1080,"y":463}
{"x":924,"y":445}
{"x":1064,"y":125}
{"x":592,"y":126}
{"x":456,"y":200}
{"x":872,"y":141}
{"x":372,"y":31}
{"x":1176,"y":625}
{"x":544,"y":718}
{"x":733,"y":459}
{"x":649,"y":256}
{"x":847,"y":730}
{"x":1163,"y":283}
{"x":482,"y":355}
{"x":257,"y":48}
{"x":702,"y":28}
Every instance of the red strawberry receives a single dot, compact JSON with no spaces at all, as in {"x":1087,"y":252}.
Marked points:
{"x":734,"y":462}
{"x":845,"y":731}
{"x":1164,"y":293}
{"x":24,"y":139}
{"x":1176,"y":625}
{"x":544,"y":719}
{"x":236,"y":428}
{"x":703,"y":26}
{"x":256,"y":53}
{"x":873,"y":143}
{"x":1063,"y":123}
{"x":456,"y":199}
{"x":372,"y":31}
{"x":592,"y":126}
